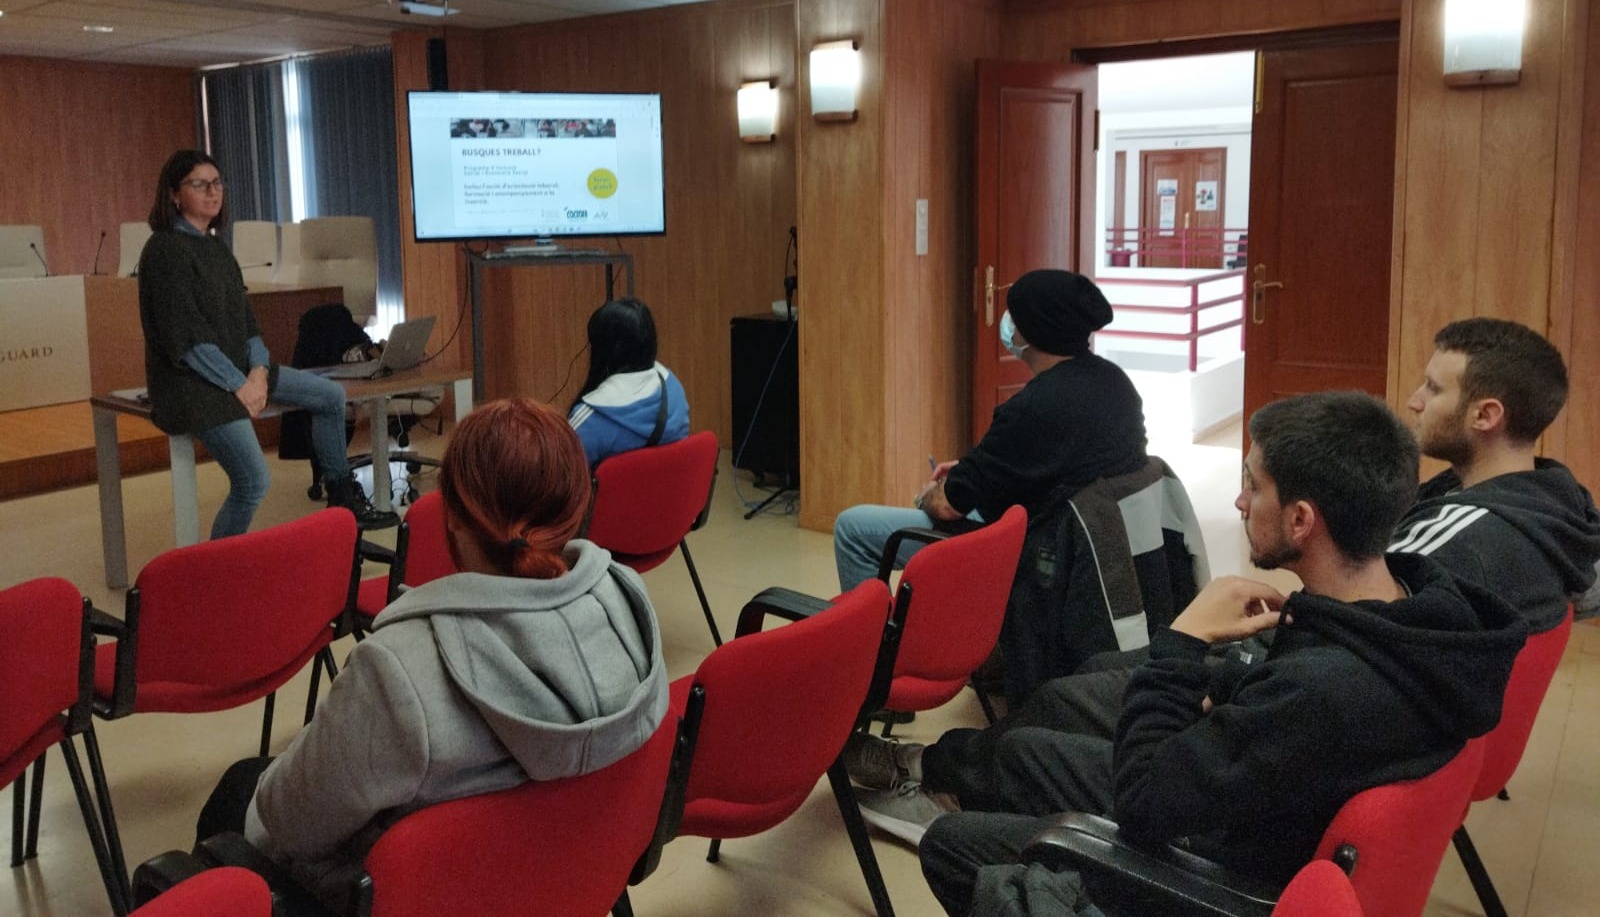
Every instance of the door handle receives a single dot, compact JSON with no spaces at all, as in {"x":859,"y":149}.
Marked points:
{"x":1258,"y":293}
{"x":988,"y":296}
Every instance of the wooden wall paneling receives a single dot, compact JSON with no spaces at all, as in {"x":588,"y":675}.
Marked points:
{"x":729,"y":205}
{"x":90,"y":139}
{"x":842,"y":323}
{"x":1050,"y":29}
{"x":931,"y":47}
{"x":432,"y":280}
{"x":1575,"y":272}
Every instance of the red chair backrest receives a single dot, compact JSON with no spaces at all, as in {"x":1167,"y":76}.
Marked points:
{"x":1400,"y":831}
{"x":647,"y":500}
{"x":427,"y":548}
{"x":779,"y":705}
{"x":233,"y":611}
{"x":1530,"y":680}
{"x":226,"y":891}
{"x":957,"y":590}
{"x":555,"y":847}
{"x":41,"y":633}
{"x":1320,"y":889}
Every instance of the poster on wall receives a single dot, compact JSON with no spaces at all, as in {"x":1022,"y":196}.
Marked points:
{"x":1205,"y":195}
{"x":1167,"y":196}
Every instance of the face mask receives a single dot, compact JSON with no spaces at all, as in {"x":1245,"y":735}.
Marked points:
{"x":1008,"y":333}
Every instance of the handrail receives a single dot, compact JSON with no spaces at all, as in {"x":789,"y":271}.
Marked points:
{"x":1193,"y":309}
{"x":1185,"y":244}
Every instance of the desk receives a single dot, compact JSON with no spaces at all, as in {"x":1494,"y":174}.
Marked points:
{"x":477,"y":263}
{"x":373,"y":393}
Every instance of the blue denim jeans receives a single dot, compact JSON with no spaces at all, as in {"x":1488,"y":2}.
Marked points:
{"x":238,"y":452}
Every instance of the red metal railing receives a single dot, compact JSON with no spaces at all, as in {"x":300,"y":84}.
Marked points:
{"x":1193,"y":309}
{"x":1184,"y":248}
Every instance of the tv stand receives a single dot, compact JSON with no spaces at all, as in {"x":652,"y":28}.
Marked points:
{"x":478,"y":263}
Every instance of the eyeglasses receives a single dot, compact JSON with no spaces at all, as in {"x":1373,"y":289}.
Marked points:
{"x":201,"y":186}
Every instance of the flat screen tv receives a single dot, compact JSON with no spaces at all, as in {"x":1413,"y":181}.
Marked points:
{"x":535,"y":165}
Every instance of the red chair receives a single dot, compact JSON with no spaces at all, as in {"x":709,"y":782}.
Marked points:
{"x":226,"y":891}
{"x":952,"y":598}
{"x":647,"y":501}
{"x":217,"y":625}
{"x":1389,"y":839}
{"x":794,"y":693}
{"x":421,"y":555}
{"x":1503,"y":746}
{"x":46,"y":660}
{"x":1320,"y":889}
{"x":555,"y":847}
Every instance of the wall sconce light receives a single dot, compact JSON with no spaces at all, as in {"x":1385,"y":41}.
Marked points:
{"x":1483,"y":41}
{"x":835,"y":80}
{"x":758,"y":112}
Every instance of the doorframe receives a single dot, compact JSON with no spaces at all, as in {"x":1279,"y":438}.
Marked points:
{"x":1388,"y":30}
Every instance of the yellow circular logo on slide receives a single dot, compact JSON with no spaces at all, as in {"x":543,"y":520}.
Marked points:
{"x":602,"y":183}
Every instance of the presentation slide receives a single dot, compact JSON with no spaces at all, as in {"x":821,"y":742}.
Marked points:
{"x":489,"y":165}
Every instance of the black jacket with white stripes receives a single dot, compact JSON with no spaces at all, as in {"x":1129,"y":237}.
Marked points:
{"x":1531,"y":537}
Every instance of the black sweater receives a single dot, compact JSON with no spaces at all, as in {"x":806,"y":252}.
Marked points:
{"x":192,"y":292}
{"x":1532,"y":537}
{"x":1074,"y":423}
{"x":1350,"y":697}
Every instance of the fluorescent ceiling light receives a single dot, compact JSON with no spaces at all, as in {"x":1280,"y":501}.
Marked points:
{"x":419,"y":8}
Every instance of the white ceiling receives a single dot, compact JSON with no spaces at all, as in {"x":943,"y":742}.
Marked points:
{"x":202,"y":33}
{"x":1176,"y":83}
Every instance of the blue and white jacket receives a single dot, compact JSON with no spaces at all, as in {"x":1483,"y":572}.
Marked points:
{"x":620,"y":414}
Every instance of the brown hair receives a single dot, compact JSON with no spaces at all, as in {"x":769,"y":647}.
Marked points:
{"x":164,"y":213}
{"x":516,"y":475}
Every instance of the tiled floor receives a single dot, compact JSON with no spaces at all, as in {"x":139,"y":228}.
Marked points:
{"x":1539,"y":846}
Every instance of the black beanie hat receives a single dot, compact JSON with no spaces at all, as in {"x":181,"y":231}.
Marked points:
{"x":1056,"y":311}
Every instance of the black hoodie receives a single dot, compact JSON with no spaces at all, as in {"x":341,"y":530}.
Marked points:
{"x":1351,"y":696}
{"x":1531,"y":536}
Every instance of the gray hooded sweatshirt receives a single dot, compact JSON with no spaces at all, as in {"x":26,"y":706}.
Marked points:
{"x":469,"y":684}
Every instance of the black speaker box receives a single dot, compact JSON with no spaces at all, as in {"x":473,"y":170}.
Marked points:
{"x":766,"y":439}
{"x":438,"y":66}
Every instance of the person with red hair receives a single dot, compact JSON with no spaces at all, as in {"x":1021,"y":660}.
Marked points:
{"x":541,"y":659}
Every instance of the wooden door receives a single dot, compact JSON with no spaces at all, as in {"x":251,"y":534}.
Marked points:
{"x":1037,"y":132}
{"x":1181,"y":204}
{"x":1321,"y":217}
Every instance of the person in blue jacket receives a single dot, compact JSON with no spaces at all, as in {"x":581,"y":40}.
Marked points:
{"x":628,"y":400}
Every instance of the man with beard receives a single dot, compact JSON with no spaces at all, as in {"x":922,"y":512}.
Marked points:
{"x":1381,"y":669}
{"x":1499,"y":517}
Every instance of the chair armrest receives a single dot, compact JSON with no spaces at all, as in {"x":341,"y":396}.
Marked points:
{"x":123,"y":680}
{"x":891,"y":548}
{"x":705,"y":511}
{"x":231,"y":849}
{"x":375,"y":552}
{"x":778,"y":602}
{"x":159,"y":873}
{"x":1174,"y":880}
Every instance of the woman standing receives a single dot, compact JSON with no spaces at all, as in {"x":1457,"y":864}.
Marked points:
{"x":628,"y":400}
{"x":206,"y":366}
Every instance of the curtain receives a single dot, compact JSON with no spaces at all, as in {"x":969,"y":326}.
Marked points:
{"x":347,"y":141}
{"x":311,"y":137}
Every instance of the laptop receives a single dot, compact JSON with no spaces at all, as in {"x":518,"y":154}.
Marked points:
{"x":408,"y":343}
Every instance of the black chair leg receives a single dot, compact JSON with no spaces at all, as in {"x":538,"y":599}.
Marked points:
{"x":19,"y":824}
{"x":1502,"y":795}
{"x":623,"y":907}
{"x":714,"y":852}
{"x":117,"y":888}
{"x":266,"y":723}
{"x":35,"y":805}
{"x":1481,"y":883}
{"x":108,"y":815}
{"x":705,"y":606}
{"x":850,"y":811}
{"x":323,"y":660}
{"x":983,"y":701}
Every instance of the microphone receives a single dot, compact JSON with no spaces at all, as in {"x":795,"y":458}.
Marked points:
{"x":246,"y":267}
{"x":36,"y":254}
{"x":100,"y":245}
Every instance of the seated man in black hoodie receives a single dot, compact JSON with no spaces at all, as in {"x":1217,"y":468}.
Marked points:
{"x":1381,"y":668}
{"x":1500,"y":517}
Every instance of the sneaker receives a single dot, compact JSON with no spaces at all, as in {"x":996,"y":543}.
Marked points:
{"x":904,"y":812}
{"x":876,"y":763}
